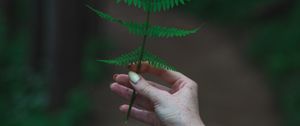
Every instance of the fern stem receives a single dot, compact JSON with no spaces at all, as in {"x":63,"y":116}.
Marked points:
{"x":144,"y":42}
{"x":133,"y":96}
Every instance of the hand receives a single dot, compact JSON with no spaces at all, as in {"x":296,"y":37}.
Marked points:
{"x":156,"y":104}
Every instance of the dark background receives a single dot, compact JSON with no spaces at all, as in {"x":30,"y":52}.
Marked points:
{"x":245,"y":60}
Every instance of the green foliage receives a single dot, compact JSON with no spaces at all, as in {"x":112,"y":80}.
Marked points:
{"x":104,"y":15}
{"x":140,"y":28}
{"x":133,"y":58}
{"x":157,"y":31}
{"x":154,"y":5}
{"x":276,"y":48}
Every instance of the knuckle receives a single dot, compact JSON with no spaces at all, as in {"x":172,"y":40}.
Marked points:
{"x":188,"y":82}
{"x":192,"y":84}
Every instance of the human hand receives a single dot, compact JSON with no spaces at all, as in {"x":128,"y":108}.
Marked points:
{"x":156,"y":104}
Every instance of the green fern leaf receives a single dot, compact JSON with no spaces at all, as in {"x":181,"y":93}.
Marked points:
{"x":104,"y":15}
{"x":157,"y":62}
{"x":154,"y":5}
{"x":140,"y":28}
{"x":133,"y":58}
{"x":125,"y":59}
{"x":157,"y":31}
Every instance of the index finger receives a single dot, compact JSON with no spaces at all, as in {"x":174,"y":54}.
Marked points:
{"x":166,"y":75}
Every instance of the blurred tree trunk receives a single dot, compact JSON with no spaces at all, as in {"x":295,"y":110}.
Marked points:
{"x":9,"y":10}
{"x":37,"y":45}
{"x":69,"y":25}
{"x":275,"y":10}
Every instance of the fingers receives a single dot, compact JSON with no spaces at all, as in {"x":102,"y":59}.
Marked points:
{"x":142,"y":115}
{"x":123,"y":79}
{"x":144,"y":88}
{"x":169,"y":76}
{"x":126,"y":93}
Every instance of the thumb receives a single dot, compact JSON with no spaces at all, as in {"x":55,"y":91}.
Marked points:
{"x":145,"y":89}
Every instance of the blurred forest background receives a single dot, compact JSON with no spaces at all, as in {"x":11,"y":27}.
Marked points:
{"x":246,"y":61}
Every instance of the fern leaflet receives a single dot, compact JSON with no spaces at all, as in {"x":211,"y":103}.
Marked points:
{"x":154,"y":5}
{"x":140,"y":28}
{"x":133,"y":58}
{"x":157,"y":31}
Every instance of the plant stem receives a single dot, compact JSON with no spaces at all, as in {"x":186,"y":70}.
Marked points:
{"x":144,"y":42}
{"x":133,"y":96}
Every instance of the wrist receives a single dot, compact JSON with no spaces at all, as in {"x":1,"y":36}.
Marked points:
{"x":195,"y":121}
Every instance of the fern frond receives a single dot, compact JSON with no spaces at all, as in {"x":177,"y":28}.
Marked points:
{"x":133,"y":58}
{"x":140,"y":28}
{"x":154,"y":5}
{"x":125,"y":59}
{"x":157,"y":31}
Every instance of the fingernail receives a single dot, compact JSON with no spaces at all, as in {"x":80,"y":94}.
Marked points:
{"x":134,"y":77}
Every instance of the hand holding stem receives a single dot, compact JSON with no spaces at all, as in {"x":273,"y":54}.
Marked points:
{"x":156,"y":104}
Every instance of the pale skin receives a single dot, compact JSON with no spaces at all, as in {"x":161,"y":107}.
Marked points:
{"x":158,"y":105}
